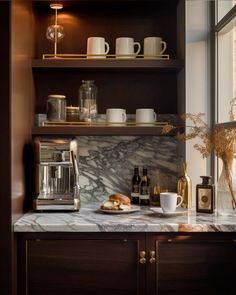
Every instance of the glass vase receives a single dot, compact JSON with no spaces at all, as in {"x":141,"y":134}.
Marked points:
{"x":226,"y":190}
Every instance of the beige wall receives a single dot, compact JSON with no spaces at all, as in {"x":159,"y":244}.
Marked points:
{"x":197,"y":79}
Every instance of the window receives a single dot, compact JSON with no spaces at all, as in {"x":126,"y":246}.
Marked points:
{"x":226,"y":58}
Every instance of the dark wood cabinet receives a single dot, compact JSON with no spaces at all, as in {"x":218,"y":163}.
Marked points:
{"x":195,"y":264}
{"x":126,"y":263}
{"x":83,"y":264}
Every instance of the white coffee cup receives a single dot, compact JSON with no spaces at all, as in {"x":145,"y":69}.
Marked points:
{"x":169,"y":203}
{"x":153,"y":46}
{"x":125,"y":47}
{"x":97,"y":47}
{"x":116,"y":116}
{"x":145,"y":116}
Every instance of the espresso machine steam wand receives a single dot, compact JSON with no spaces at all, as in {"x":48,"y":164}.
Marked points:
{"x":76,"y":188}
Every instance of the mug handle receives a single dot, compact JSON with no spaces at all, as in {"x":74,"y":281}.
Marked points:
{"x":154,"y":116}
{"x":107,"y":47}
{"x":124,"y":116}
{"x":181,"y":200}
{"x":164,"y":46}
{"x":139,"y":47}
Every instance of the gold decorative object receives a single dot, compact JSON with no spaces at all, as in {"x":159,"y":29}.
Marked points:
{"x":71,"y":56}
{"x":142,"y":255}
{"x":184,"y":187}
{"x":55,"y":33}
{"x":152,"y":255}
{"x":102,"y":124}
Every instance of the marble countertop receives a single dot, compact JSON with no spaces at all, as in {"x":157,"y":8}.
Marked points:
{"x":91,"y":219}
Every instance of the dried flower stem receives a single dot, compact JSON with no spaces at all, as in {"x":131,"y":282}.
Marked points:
{"x":229,"y":182}
{"x":219,"y":139}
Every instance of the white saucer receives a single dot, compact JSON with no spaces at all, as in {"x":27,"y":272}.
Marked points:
{"x":178,"y":211}
{"x":133,"y":209}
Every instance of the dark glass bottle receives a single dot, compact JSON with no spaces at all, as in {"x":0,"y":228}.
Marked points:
{"x":135,"y":186}
{"x":205,"y":196}
{"x":144,"y":198}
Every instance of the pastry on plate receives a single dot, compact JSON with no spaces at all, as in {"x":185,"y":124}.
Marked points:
{"x":117,"y":201}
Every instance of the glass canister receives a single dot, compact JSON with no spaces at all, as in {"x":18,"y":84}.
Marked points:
{"x":56,"y":108}
{"x":72,"y":114}
{"x":88,"y":100}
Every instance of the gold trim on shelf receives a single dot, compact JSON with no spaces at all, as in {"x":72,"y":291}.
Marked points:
{"x":103,"y":56}
{"x":103,"y":124}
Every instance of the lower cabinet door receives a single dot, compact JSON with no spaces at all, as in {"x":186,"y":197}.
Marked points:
{"x":96,"y":266}
{"x":194,"y":266}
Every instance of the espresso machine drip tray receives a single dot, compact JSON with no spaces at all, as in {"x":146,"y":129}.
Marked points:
{"x":56,"y":203}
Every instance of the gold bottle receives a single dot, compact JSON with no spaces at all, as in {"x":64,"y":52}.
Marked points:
{"x":184,"y":187}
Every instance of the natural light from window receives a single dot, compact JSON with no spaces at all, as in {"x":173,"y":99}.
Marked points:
{"x":226,"y":55}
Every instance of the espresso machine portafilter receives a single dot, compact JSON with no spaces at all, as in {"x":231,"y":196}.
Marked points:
{"x":57,"y":176}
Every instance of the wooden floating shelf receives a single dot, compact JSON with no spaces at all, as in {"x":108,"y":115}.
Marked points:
{"x":169,"y":64}
{"x":97,"y":130}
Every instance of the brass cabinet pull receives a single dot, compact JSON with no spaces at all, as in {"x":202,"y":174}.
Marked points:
{"x":152,"y":255}
{"x":142,"y":258}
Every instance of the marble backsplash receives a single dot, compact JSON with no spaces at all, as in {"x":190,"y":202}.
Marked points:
{"x":106,"y":163}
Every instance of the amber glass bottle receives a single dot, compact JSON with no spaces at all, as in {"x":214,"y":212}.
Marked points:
{"x":205,"y":196}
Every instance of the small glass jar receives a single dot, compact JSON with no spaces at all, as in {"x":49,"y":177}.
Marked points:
{"x":56,"y":108}
{"x":88,"y":101}
{"x":72,"y":114}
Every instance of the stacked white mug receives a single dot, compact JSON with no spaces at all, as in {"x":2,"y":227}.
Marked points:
{"x":145,"y":117}
{"x":154,"y":47}
{"x":125,"y":47}
{"x":116,"y":116}
{"x":97,"y":47}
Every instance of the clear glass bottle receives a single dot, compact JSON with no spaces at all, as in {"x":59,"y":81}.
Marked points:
{"x":135,"y":186}
{"x":56,"y":108}
{"x":88,"y":101}
{"x":144,"y":189}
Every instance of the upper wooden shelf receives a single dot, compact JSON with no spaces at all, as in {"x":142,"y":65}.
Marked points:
{"x":97,"y":130}
{"x":170,"y":64}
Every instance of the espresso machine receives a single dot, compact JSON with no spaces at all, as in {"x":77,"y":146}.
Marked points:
{"x":56,"y":177}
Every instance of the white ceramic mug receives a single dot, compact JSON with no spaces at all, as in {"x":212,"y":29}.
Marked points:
{"x":145,"y":116}
{"x":97,"y":47}
{"x":154,"y":46}
{"x":125,"y":47}
{"x":116,"y":116}
{"x":169,"y":203}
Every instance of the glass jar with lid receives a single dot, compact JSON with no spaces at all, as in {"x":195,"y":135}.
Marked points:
{"x":56,"y":108}
{"x":88,"y":100}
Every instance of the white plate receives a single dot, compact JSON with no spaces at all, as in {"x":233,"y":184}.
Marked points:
{"x":179,"y":211}
{"x":133,"y":209}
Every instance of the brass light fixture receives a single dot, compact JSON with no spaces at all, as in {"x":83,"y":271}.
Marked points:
{"x":55,"y":33}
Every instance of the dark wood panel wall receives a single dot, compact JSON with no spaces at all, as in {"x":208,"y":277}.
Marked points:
{"x":22,"y":101}
{"x":15,"y":126}
{"x":5,"y":152}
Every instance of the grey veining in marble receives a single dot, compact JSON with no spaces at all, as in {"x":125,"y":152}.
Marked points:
{"x":90,"y":219}
{"x":106,"y":163}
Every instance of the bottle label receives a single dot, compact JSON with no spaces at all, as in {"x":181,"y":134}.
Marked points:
{"x":135,"y":188}
{"x":134,"y":194}
{"x":144,"y":197}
